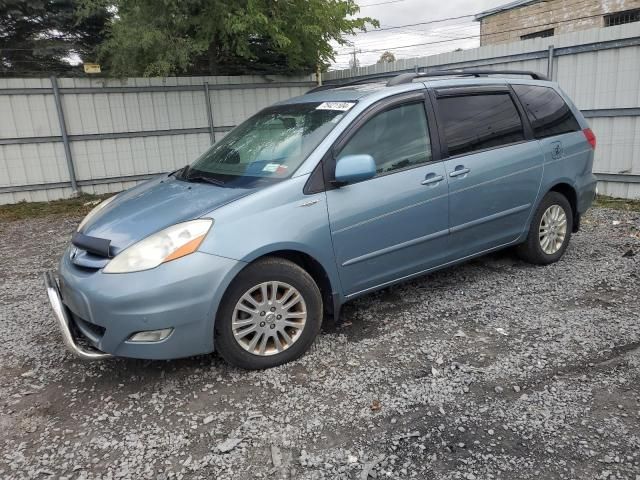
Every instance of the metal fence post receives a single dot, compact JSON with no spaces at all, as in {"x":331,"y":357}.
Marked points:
{"x":207,"y":97}
{"x":65,"y":137}
{"x":550,"y":63}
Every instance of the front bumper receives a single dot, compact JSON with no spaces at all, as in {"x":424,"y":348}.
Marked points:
{"x":64,"y":322}
{"x":105,"y":310}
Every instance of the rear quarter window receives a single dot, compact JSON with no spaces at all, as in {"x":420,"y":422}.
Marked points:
{"x":479,"y":122}
{"x":547,"y":111}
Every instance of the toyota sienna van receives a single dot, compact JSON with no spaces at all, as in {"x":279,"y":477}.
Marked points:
{"x":318,"y":200}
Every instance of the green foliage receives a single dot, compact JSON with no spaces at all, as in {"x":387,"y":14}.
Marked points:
{"x":37,"y":37}
{"x":617,"y":203}
{"x":164,"y":37}
{"x":387,"y":57}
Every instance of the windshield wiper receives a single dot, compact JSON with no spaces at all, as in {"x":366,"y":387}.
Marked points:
{"x":203,"y":179}
{"x":179,"y":171}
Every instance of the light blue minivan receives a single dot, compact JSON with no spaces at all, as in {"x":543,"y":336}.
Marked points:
{"x":320,"y":199}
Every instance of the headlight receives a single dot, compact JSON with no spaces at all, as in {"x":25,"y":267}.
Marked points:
{"x":95,"y":210}
{"x":166,"y":245}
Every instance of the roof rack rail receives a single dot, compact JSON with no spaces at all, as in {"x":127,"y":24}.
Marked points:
{"x":402,"y":78}
{"x":357,"y":81}
{"x":410,"y":77}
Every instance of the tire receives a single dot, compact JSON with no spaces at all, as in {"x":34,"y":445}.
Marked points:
{"x":533,"y":249}
{"x":249,"y":305}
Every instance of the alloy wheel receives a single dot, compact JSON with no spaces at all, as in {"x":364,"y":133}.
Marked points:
{"x":553,"y":229}
{"x":269,"y":318}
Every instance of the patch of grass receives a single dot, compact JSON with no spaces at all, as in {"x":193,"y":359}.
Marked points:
{"x":617,"y":203}
{"x":78,"y":206}
{"x":69,"y":207}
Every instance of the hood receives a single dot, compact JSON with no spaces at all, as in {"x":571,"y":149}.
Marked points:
{"x":155,"y":205}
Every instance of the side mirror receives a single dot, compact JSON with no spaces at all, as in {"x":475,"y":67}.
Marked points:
{"x":355,"y":168}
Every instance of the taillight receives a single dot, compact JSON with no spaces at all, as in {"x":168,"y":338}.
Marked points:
{"x":591,"y":138}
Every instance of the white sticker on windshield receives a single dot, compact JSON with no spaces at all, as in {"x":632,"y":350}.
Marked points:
{"x":340,"y":106}
{"x":271,"y":167}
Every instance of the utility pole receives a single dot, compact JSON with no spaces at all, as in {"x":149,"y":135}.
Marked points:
{"x":353,"y":63}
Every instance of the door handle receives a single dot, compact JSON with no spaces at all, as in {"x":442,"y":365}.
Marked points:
{"x":432,"y":178}
{"x":460,"y":170}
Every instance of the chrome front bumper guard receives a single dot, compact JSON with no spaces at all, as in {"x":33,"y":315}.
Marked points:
{"x":64,"y":322}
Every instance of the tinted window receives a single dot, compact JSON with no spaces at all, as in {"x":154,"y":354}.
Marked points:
{"x":476,"y":122}
{"x":396,"y":138}
{"x":547,"y":111}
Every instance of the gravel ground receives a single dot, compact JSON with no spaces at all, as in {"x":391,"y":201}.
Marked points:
{"x":493,"y":369}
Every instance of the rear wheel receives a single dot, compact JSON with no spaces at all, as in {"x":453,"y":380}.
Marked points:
{"x":550,"y":231}
{"x":270,"y":315}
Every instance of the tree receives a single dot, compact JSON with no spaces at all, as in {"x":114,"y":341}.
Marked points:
{"x":40,"y":37}
{"x":164,"y":37}
{"x":387,"y":57}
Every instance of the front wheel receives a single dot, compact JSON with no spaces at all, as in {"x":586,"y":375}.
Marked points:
{"x":270,"y":315}
{"x":550,"y":231}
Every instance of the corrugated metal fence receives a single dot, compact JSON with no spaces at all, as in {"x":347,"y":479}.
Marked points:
{"x":599,"y":69}
{"x":120,"y":132}
{"x":117,"y":132}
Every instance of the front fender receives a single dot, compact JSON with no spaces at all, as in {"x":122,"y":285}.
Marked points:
{"x":277,"y":218}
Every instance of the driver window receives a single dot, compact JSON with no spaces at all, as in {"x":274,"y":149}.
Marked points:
{"x":396,"y":138}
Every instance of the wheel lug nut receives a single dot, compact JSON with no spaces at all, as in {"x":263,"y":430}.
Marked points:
{"x":278,"y":317}
{"x":262,"y":314}
{"x":262,"y":324}
{"x":273,"y":325}
{"x":273,"y":309}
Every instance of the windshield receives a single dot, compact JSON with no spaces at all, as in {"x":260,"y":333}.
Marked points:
{"x":269,"y":146}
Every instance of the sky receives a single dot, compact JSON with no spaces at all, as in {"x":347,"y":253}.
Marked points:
{"x":442,"y":37}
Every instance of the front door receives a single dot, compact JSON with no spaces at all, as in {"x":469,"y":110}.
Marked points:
{"x":395,"y":224}
{"x":494,"y":168}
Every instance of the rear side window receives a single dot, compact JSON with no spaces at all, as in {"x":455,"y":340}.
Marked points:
{"x":547,"y":111}
{"x":478,"y":122}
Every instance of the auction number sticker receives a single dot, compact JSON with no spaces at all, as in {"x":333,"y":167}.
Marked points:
{"x":340,"y":106}
{"x":271,"y":167}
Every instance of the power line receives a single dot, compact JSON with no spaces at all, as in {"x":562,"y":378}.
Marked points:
{"x":436,"y":42}
{"x":394,"y":27}
{"x":476,"y":36}
{"x":461,"y":28}
{"x":405,"y":30}
{"x":444,"y":32}
{"x":381,"y":3}
{"x":457,"y":26}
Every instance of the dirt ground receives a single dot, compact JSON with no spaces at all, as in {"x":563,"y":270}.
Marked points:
{"x":493,"y":369}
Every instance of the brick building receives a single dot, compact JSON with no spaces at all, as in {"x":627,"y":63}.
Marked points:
{"x":525,"y":19}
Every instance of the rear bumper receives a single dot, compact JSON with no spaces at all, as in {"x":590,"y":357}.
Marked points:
{"x":587,"y":193}
{"x":105,"y":310}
